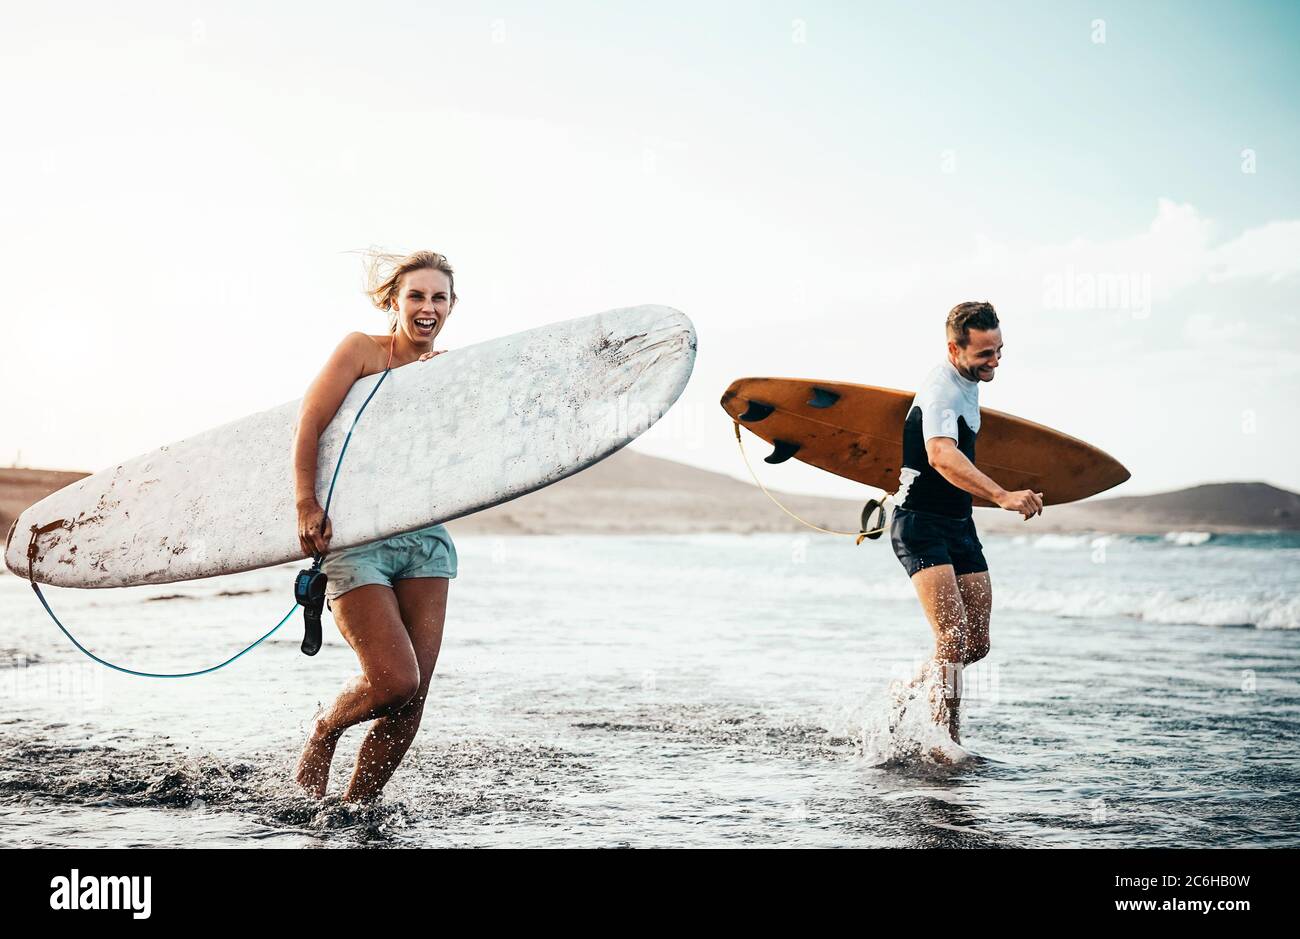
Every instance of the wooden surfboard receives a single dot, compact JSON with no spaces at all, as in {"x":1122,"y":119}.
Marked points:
{"x":469,"y":429}
{"x":856,"y":431}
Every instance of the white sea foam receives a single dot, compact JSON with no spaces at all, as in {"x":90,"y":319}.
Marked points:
{"x":1188,"y":539}
{"x":1203,"y":608}
{"x":1054,"y":542}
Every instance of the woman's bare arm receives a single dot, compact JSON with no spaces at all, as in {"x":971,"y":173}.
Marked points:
{"x":319,"y":406}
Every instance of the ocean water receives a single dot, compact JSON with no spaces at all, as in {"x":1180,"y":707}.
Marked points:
{"x":709,"y":690}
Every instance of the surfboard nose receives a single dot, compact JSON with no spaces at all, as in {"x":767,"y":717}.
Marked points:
{"x":664,"y":331}
{"x":652,"y":334}
{"x":644,"y":357}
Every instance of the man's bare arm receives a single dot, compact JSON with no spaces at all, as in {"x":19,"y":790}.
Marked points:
{"x":953,"y":465}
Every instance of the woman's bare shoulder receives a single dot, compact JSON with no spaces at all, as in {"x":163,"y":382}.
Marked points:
{"x":363,"y":351}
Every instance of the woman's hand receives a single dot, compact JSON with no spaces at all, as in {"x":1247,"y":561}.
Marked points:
{"x":429,"y":355}
{"x":314,"y":529}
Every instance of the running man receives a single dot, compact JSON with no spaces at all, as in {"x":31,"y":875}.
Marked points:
{"x":933,"y":531}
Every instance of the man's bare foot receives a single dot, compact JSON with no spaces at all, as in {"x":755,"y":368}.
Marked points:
{"x":949,"y":754}
{"x":945,"y":717}
{"x":313,"y":770}
{"x":941,"y":756}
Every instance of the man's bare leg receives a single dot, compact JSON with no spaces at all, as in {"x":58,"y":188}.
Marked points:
{"x":977,"y":598}
{"x":941,"y":599}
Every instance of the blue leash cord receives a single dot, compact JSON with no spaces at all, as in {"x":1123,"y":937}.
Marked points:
{"x":31,"y":554}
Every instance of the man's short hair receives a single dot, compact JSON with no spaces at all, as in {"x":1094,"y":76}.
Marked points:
{"x":973,"y":314}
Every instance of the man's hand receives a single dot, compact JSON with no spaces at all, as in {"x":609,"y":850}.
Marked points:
{"x":1025,"y":501}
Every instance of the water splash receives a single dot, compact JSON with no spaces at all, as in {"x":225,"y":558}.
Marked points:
{"x":902,"y":728}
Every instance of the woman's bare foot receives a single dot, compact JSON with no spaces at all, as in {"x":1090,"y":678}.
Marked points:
{"x":313,"y":770}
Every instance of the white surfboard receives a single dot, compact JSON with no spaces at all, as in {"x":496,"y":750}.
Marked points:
{"x":465,"y":430}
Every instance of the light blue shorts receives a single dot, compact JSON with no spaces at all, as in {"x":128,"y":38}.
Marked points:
{"x":426,"y":552}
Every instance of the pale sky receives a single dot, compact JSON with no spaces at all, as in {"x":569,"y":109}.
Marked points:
{"x":814,"y":184}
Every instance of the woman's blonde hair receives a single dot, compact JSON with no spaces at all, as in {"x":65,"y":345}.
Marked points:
{"x":384,"y":273}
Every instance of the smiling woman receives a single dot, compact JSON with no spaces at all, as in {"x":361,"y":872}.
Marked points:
{"x":391,"y":595}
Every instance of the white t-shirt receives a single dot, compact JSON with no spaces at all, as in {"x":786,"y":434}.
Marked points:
{"x":945,"y":396}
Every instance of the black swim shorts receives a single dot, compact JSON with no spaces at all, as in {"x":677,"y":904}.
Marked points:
{"x":924,"y":540}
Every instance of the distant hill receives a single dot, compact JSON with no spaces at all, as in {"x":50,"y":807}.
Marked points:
{"x":633,"y":493}
{"x":1248,"y":504}
{"x":1214,"y":507}
{"x":20,"y":488}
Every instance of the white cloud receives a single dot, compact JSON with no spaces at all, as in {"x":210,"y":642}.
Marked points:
{"x":1271,"y":251}
{"x":1204,"y":329}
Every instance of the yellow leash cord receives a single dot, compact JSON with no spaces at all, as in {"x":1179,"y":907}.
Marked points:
{"x":859,"y":535}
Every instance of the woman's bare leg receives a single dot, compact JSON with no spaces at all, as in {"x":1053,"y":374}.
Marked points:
{"x":371,"y":621}
{"x":423,"y":604}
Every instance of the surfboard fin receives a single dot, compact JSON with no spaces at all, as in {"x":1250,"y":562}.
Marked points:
{"x":756,"y":411}
{"x":822,"y":398}
{"x":782,"y":450}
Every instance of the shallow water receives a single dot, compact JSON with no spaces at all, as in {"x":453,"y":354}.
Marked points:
{"x":677,"y":691}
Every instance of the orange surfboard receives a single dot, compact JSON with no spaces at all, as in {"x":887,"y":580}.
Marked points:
{"x":856,"y":431}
